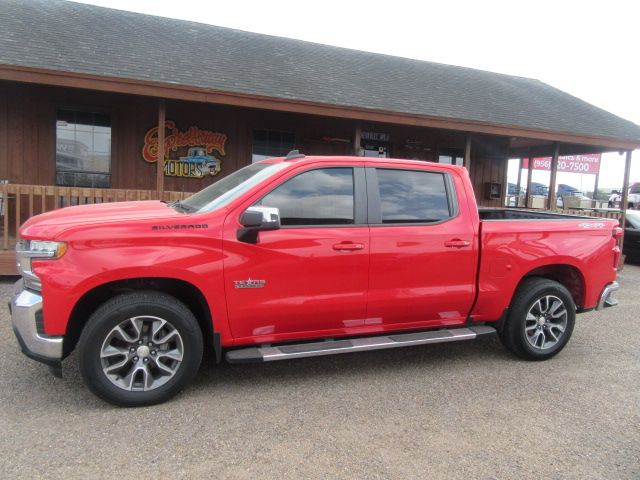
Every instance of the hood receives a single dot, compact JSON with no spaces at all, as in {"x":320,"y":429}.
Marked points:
{"x":51,"y":224}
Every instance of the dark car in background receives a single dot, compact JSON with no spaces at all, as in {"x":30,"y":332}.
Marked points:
{"x":631,"y":247}
{"x":539,"y":189}
{"x":565,"y":190}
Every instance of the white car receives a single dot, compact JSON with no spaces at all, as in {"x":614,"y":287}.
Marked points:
{"x":633,"y":200}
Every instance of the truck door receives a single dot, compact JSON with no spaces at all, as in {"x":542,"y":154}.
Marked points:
{"x":423,"y":249}
{"x":309,"y":277}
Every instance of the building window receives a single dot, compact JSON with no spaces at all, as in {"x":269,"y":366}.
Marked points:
{"x":83,"y":149}
{"x":268,"y":144}
{"x":451,"y":157}
{"x":408,"y":196}
{"x":318,"y":197}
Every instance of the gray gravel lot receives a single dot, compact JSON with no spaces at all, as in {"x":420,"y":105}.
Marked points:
{"x":465,"y":410}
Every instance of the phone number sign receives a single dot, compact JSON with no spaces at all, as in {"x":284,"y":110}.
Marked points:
{"x":589,"y":163}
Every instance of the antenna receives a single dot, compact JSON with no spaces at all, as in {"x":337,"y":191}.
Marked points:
{"x":294,"y":154}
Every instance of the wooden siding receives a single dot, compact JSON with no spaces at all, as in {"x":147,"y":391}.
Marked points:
{"x":27,"y":137}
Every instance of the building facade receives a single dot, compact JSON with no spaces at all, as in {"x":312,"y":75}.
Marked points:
{"x":146,"y":107}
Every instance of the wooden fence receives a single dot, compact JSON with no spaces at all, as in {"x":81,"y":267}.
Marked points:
{"x":20,"y":202}
{"x":613,"y":214}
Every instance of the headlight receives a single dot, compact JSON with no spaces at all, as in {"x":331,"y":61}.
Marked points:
{"x":47,"y":249}
{"x":27,"y":250}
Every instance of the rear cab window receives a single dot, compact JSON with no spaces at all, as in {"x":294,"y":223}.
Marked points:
{"x":406,"y":196}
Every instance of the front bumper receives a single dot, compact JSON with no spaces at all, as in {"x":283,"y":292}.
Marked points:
{"x":26,"y":317}
{"x":606,"y":298}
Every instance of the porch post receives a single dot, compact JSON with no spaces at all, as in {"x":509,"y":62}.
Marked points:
{"x":554,"y":173}
{"x":625,"y":194}
{"x":161,"y":152}
{"x":527,"y":195}
{"x":518,"y":188}
{"x":467,"y":153}
{"x":357,"y":138}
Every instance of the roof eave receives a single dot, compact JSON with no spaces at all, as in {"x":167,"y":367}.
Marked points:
{"x":199,"y":94}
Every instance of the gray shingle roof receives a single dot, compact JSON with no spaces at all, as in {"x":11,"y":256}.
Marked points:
{"x":66,"y":36}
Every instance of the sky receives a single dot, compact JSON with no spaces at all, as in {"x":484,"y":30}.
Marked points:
{"x":586,"y":48}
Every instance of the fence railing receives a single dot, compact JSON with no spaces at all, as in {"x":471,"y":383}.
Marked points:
{"x":20,"y":202}
{"x":616,"y":215}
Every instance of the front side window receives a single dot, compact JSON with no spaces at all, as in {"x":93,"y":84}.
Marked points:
{"x":317,"y":197}
{"x":269,"y":144}
{"x":83,"y":149}
{"x":408,"y":196}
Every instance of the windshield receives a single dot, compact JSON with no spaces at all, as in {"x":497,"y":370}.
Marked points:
{"x":230,"y":187}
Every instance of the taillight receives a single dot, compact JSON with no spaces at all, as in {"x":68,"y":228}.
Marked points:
{"x":617,"y":233}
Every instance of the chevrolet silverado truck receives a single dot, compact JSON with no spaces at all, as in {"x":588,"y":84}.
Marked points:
{"x":300,"y":257}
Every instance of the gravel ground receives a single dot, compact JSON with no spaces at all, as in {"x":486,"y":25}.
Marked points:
{"x":464,"y":410}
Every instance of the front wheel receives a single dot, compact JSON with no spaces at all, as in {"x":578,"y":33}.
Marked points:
{"x":540,"y":320}
{"x":140,"y":348}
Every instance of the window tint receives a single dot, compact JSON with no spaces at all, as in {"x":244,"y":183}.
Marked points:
{"x":412,"y":197}
{"x":317,"y":197}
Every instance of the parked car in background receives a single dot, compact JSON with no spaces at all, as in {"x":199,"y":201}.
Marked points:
{"x":565,"y":190}
{"x":631,"y":247}
{"x":633,"y":201}
{"x":539,"y":189}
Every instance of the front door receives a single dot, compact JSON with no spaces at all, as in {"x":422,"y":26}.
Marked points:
{"x":309,"y":278}
{"x":423,"y":252}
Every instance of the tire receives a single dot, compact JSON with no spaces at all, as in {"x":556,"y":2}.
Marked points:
{"x":541,"y":310}
{"x":140,"y":348}
{"x":631,"y":205}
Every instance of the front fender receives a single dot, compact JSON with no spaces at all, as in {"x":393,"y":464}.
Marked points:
{"x":67,"y":280}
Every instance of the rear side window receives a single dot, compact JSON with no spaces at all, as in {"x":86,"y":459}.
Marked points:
{"x":408,"y":196}
{"x":317,"y":197}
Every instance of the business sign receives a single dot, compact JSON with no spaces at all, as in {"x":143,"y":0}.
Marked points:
{"x":589,"y":163}
{"x":375,"y":136}
{"x":188,"y":153}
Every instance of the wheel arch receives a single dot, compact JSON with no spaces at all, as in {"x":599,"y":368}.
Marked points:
{"x":567,"y":275}
{"x":184,"y":291}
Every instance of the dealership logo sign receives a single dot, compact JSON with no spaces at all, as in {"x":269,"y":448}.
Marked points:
{"x":192,"y":150}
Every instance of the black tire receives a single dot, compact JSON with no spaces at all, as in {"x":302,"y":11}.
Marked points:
{"x":630,"y":205}
{"x":150,"y":306}
{"x":514,"y":334}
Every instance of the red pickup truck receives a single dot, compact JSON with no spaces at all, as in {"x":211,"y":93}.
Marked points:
{"x":297,"y":257}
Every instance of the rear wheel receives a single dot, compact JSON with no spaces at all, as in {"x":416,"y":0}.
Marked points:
{"x":140,"y":348}
{"x":540,"y":321}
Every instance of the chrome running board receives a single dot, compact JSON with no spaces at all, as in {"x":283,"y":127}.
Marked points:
{"x":333,"y":347}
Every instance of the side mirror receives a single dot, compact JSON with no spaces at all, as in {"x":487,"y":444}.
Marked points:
{"x":255,"y":220}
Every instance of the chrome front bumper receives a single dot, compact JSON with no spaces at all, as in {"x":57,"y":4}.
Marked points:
{"x":26,"y":313}
{"x":606,"y":300}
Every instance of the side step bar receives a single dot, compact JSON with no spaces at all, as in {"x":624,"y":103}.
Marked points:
{"x":332,"y":347}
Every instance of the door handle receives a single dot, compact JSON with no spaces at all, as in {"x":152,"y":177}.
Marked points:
{"x":457,"y":243}
{"x":348,"y":246}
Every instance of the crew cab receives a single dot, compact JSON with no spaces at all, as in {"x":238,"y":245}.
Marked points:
{"x":297,"y":257}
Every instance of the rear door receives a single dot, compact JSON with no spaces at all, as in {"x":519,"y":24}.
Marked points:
{"x":423,"y":249}
{"x":309,"y":278}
